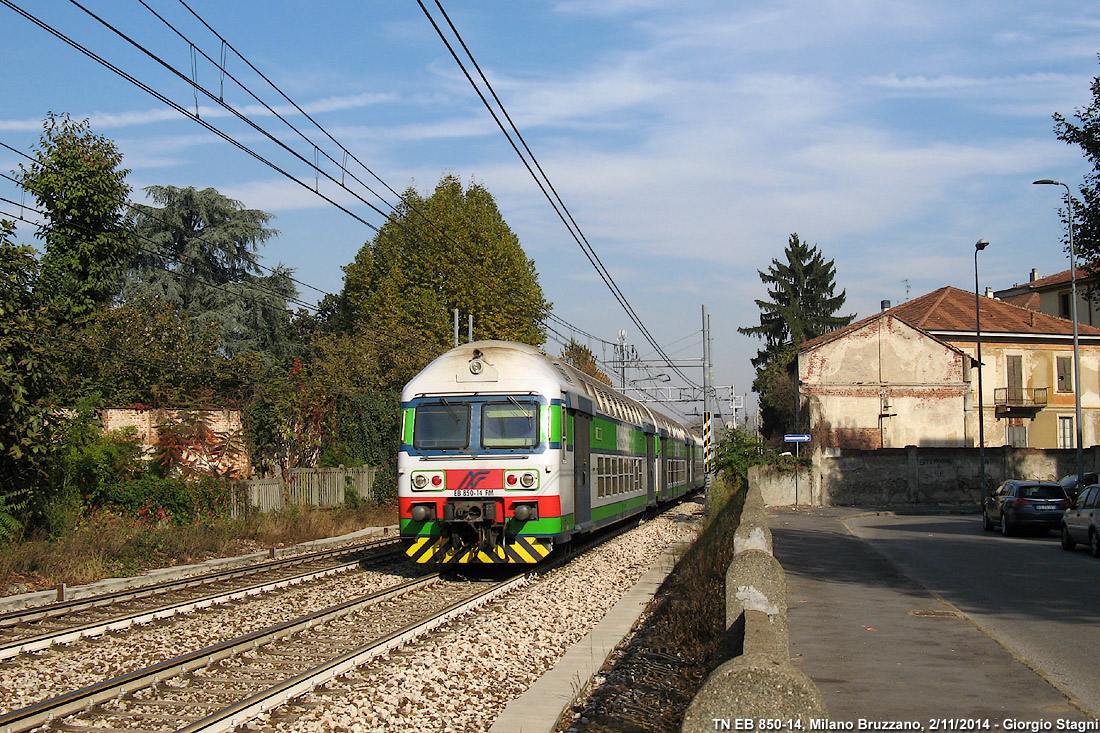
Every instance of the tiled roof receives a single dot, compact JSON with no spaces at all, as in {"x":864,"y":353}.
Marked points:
{"x":843,"y":331}
{"x":1057,"y":278}
{"x":1024,"y":300}
{"x":951,"y":309}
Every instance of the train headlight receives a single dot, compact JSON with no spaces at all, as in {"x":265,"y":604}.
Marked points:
{"x":428,"y":480}
{"x":528,"y":479}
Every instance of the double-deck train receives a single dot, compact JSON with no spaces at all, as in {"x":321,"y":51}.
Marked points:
{"x":507,"y":453}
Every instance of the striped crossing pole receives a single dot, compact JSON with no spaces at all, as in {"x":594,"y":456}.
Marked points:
{"x":708,"y":444}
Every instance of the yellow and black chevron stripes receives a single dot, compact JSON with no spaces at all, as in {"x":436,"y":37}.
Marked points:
{"x":519,"y":550}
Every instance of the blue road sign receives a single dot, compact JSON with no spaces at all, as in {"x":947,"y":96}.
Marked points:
{"x":797,"y":438}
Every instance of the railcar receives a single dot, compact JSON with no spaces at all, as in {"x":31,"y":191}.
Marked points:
{"x":507,"y":453}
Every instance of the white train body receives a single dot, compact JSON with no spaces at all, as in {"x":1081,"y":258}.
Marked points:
{"x":507,"y":452}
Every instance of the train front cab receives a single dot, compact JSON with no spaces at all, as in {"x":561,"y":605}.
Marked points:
{"x":479,"y":479}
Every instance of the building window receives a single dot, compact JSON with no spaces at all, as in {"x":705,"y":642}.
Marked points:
{"x":1065,"y":432}
{"x":1016,"y":436}
{"x":1063,"y":305}
{"x":1065,"y":373}
{"x":1015,"y":375}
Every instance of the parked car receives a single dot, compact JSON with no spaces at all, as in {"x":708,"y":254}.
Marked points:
{"x":1072,"y":486}
{"x":1018,"y":504}
{"x":1081,"y":522}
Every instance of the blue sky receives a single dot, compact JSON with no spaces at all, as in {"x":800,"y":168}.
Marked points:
{"x":688,"y":139}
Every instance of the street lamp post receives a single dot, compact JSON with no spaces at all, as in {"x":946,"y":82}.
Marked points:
{"x":978,"y":247}
{"x":1073,"y":315}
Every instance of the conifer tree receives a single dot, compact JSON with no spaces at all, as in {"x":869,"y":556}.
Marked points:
{"x":802,"y":305}
{"x":198,"y":251}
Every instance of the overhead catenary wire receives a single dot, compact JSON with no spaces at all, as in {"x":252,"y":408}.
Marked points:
{"x":164,"y":366}
{"x":157,"y":253}
{"x":544,"y":182}
{"x":221,"y":102}
{"x":177,"y":273}
{"x":218,"y":98}
{"x":174,"y":105}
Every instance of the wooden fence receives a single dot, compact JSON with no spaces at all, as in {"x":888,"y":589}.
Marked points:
{"x":319,"y":487}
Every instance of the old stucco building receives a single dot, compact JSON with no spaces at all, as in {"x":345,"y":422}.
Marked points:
{"x":1053,"y":294}
{"x":907,"y":376}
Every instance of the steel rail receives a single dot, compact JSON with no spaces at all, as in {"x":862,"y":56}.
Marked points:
{"x":61,"y":608}
{"x":27,"y":644}
{"x":280,"y":694}
{"x":284,"y":691}
{"x":44,"y":712}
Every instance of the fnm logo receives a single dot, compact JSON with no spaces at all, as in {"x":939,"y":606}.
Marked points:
{"x":472,"y":479}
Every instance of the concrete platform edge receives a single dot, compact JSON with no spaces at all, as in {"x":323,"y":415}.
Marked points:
{"x":541,"y":708}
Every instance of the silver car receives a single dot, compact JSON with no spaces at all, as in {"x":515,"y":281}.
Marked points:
{"x":1081,"y":522}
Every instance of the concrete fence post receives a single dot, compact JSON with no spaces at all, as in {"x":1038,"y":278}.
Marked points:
{"x":759,"y":681}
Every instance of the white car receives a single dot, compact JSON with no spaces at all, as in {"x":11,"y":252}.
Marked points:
{"x":1081,"y":522}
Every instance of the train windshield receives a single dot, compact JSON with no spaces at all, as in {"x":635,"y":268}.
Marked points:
{"x":511,"y":424}
{"x":443,"y":425}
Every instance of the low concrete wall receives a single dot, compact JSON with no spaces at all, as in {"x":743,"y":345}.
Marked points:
{"x":759,"y":681}
{"x":912,"y":475}
{"x":788,"y":487}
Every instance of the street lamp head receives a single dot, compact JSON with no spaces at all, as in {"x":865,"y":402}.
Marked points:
{"x":1048,"y":181}
{"x":981,"y":244}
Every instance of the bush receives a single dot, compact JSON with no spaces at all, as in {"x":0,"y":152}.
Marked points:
{"x":160,"y":499}
{"x":84,"y":463}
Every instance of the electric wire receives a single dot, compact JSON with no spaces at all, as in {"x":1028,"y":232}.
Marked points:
{"x":194,"y":278}
{"x":555,"y":200}
{"x":120,"y":357}
{"x":174,"y":105}
{"x":218,"y":99}
{"x":177,"y":273}
{"x":145,"y":211}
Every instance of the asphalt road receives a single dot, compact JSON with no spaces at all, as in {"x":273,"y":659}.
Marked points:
{"x":1039,"y":602}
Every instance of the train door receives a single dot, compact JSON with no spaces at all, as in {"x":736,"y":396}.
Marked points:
{"x":582,"y":469}
{"x":650,"y":471}
{"x":662,"y":467}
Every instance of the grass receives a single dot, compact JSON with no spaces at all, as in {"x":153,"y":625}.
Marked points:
{"x":106,"y":545}
{"x":650,"y":682}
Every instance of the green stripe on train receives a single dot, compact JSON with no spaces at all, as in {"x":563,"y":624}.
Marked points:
{"x":409,"y":420}
{"x":548,"y":526}
{"x":618,"y":507}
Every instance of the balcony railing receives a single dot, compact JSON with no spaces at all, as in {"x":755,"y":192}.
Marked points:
{"x":1020,"y":396}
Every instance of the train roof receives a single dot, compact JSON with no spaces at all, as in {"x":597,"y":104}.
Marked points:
{"x":483,"y":367}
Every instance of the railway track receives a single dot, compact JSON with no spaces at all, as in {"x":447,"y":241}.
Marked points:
{"x":34,"y":629}
{"x":226,"y":684}
{"x":222,"y":686}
